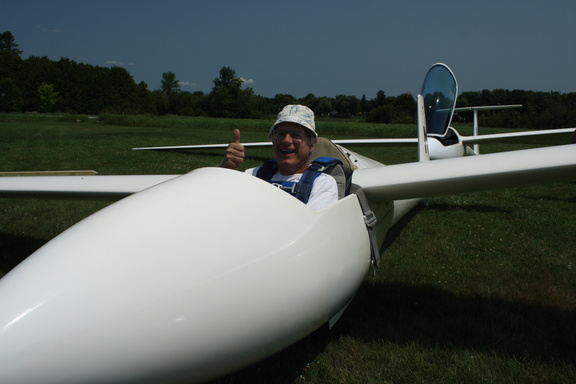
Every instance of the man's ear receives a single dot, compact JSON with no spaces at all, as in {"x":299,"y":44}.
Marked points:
{"x":312,"y":144}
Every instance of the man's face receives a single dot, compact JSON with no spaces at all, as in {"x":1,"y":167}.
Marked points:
{"x":291,"y":148}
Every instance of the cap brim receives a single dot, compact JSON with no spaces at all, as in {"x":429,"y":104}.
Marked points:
{"x":289,"y":119}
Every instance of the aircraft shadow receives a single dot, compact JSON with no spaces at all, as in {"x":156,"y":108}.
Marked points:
{"x":550,"y":198}
{"x":431,"y":317}
{"x":285,"y":366}
{"x":471,"y":208}
{"x":14,"y":249}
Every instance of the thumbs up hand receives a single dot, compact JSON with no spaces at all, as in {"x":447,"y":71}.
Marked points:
{"x":234,"y":153}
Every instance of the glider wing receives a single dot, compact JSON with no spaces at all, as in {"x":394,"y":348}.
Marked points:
{"x":468,"y":174}
{"x":108,"y":187}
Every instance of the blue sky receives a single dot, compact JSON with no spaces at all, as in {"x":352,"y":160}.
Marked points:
{"x":298,"y":47}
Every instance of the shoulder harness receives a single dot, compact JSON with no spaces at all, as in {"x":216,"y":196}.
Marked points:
{"x":302,"y":189}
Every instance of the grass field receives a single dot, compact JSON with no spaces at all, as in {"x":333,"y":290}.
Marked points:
{"x":474,"y":288}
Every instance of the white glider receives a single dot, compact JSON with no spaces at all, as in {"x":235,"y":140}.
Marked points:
{"x":146,"y":290}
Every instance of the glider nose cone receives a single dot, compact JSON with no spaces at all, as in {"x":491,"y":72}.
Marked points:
{"x":170,"y":284}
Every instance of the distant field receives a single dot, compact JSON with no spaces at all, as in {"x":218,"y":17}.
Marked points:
{"x":474,"y":288}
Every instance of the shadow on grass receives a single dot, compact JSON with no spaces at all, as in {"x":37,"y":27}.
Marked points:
{"x":469,"y":208}
{"x":284,"y":367}
{"x":430,"y":316}
{"x":14,"y":249}
{"x":551,"y":198}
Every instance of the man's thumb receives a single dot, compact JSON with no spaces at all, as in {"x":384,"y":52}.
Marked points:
{"x":237,"y":136}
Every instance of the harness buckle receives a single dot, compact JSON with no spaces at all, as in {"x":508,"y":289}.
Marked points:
{"x":370,"y":219}
{"x":292,"y":189}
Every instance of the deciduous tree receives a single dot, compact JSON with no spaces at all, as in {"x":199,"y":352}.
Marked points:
{"x":169,"y":84}
{"x":48,"y":96}
{"x":227,"y":99}
{"x":227,"y":80}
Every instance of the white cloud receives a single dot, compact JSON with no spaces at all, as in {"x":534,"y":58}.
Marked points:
{"x":246,"y":81}
{"x":187,"y":84}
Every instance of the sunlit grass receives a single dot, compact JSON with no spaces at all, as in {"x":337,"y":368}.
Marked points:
{"x":474,"y":288}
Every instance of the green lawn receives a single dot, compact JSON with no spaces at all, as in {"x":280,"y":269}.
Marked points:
{"x":474,"y":288}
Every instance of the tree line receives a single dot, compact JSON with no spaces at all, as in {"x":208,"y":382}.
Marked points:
{"x":39,"y":84}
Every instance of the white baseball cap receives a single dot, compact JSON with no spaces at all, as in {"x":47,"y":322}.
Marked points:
{"x":299,"y":114}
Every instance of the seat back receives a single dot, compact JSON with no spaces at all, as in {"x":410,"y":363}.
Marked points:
{"x":326,"y":148}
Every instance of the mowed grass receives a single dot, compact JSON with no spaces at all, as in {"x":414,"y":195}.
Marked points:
{"x":474,"y":288}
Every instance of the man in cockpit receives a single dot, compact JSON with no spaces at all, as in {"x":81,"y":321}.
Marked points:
{"x":293,"y":138}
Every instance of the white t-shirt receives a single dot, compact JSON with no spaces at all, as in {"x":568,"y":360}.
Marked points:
{"x":324,"y":190}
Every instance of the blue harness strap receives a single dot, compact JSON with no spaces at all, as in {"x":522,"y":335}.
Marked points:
{"x":301,"y":189}
{"x":318,"y":166}
{"x":267,"y":170}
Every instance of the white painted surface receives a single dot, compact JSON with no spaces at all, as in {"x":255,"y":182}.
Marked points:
{"x":468,"y":174}
{"x":78,"y":186}
{"x":195,"y":277}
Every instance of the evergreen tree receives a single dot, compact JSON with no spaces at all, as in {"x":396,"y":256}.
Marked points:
{"x":7,"y":44}
{"x":10,"y":67}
